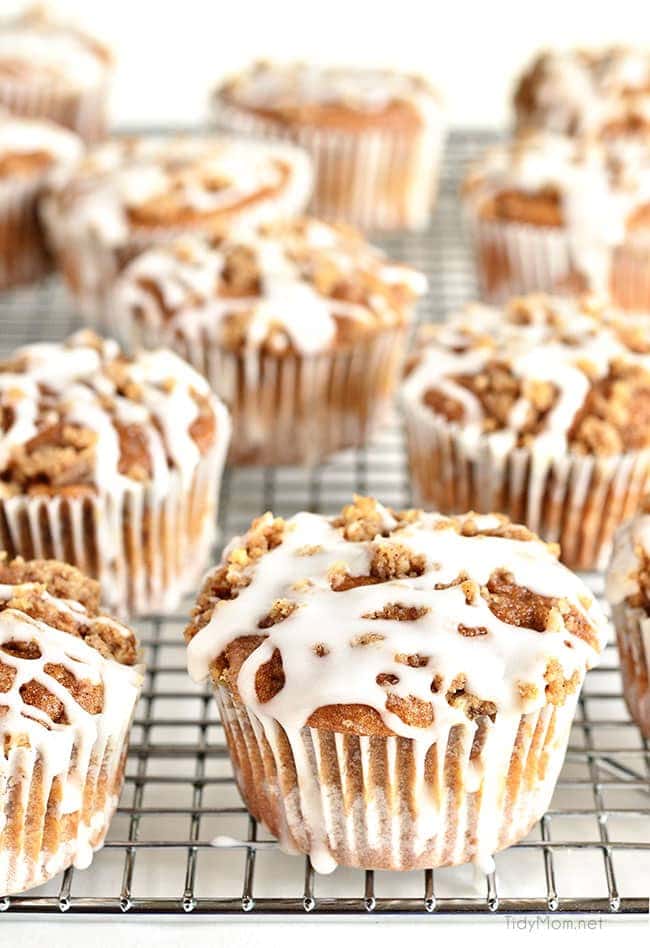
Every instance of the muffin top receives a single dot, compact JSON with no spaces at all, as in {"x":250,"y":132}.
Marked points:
{"x":598,"y":191}
{"x":628,"y":574}
{"x":79,"y":416}
{"x":65,"y":667}
{"x":384,"y":622}
{"x":604,"y":92}
{"x":37,"y":50}
{"x":300,"y":284}
{"x":544,"y":373}
{"x":31,"y":148}
{"x":126,"y":186}
{"x":300,"y":93}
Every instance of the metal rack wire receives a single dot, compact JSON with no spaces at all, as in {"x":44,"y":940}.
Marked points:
{"x":591,"y":851}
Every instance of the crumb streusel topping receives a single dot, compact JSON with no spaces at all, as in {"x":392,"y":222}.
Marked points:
{"x":385,"y":622}
{"x":302,"y":284}
{"x":65,"y":667}
{"x":596,"y":190}
{"x":576,"y":92}
{"x":545,"y":373}
{"x":80,"y":414}
{"x":628,"y":573}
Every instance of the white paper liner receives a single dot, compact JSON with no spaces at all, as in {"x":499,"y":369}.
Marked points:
{"x":146,"y":549}
{"x":513,"y":259}
{"x":395,"y":803}
{"x":577,"y":501}
{"x":54,"y":811}
{"x":287,"y":408}
{"x":632,"y":627}
{"x":85,"y":111}
{"x":23,"y":254}
{"x":375,"y":179}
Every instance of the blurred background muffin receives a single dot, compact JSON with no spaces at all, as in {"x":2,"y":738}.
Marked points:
{"x":548,"y":212}
{"x":130,"y":193}
{"x":31,"y":150}
{"x":299,"y":326}
{"x":375,"y":135}
{"x":51,"y":69}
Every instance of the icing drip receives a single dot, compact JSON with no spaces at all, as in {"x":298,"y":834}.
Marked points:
{"x":327,"y":658}
{"x":564,"y":343}
{"x":18,"y":136}
{"x":600,"y":184}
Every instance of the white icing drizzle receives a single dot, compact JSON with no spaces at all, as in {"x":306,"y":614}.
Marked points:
{"x":600,"y":184}
{"x":581,"y":92}
{"x":71,"y":751}
{"x":495,"y":664}
{"x":46,"y":51}
{"x":290,"y":86}
{"x":78,"y":373}
{"x":187,"y":275}
{"x":201,"y":177}
{"x":631,"y":542}
{"x":562,"y":334}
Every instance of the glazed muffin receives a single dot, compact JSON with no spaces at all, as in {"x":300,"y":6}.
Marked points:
{"x":628,"y":592}
{"x":55,"y":71}
{"x":299,"y":326}
{"x":69,"y":682}
{"x":131,"y":193}
{"x":30,"y":151}
{"x":375,"y":135}
{"x":111,"y":464}
{"x":604,"y":92}
{"x":552,"y":213}
{"x":396,"y":688}
{"x":540,"y":411}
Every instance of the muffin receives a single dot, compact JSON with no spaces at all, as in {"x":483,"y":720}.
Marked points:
{"x":552,"y":213}
{"x":539,"y":410}
{"x":628,"y":591}
{"x":55,"y":71}
{"x":131,"y":193}
{"x":604,"y":92}
{"x":396,"y":688}
{"x":69,"y":683}
{"x":375,"y":135}
{"x":30,"y":151}
{"x":299,"y":326}
{"x":111,"y":464}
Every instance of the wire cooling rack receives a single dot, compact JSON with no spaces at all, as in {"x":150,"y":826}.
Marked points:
{"x":591,"y":851}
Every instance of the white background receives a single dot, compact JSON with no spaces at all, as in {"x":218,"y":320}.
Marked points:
{"x":171,"y":51}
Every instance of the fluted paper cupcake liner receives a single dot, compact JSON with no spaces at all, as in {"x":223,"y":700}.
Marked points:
{"x":633,"y":639}
{"x":375,"y":179}
{"x":23,"y":253}
{"x":287,"y":408}
{"x":577,"y":501}
{"x":392,"y":802}
{"x":146,"y":549}
{"x":85,"y":111}
{"x":55,"y":810}
{"x":514,"y":259}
